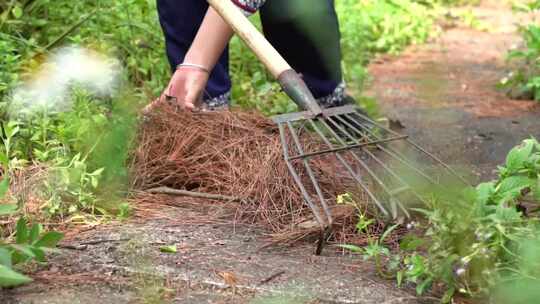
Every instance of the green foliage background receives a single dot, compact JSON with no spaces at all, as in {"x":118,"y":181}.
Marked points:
{"x":129,"y":30}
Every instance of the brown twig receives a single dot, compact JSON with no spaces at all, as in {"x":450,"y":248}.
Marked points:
{"x":218,"y":197}
{"x":272,"y":277}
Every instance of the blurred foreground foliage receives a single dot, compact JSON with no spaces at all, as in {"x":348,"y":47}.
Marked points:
{"x":479,"y":242}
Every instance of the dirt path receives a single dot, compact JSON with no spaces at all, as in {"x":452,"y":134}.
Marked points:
{"x":444,"y":94}
{"x":214,"y":263}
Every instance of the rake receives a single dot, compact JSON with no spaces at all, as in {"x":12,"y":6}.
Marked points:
{"x":381,"y":164}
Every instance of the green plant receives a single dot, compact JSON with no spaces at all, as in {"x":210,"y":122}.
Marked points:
{"x":58,"y":141}
{"x":370,"y":27}
{"x":70,"y":188}
{"x":124,"y":211}
{"x":472,"y":237}
{"x":524,"y":81}
{"x":469,"y":18}
{"x":30,"y":243}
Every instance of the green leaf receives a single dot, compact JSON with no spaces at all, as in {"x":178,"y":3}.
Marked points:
{"x":21,"y":231}
{"x":98,"y":172}
{"x":410,"y":242}
{"x":10,"y":278}
{"x":422,"y":287}
{"x":17,"y":12}
{"x":94,"y":181}
{"x":24,"y":250}
{"x":416,"y":267}
{"x":5,"y":257}
{"x":388,"y":231}
{"x":399,"y":278}
{"x":511,"y":187}
{"x":7,"y":209}
{"x":519,"y":155}
{"x":39,"y":254}
{"x":168,"y":249}
{"x":49,"y":239}
{"x":448,"y":295}
{"x":4,"y":186}
{"x":352,"y":248}
{"x":3,"y":159}
{"x":484,"y":192}
{"x":35,"y":232}
{"x":536,"y":190}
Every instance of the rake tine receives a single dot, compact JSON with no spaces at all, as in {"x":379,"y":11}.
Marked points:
{"x":351,"y":171}
{"x":364,"y":165}
{"x":432,"y":156}
{"x":439,"y":161}
{"x":310,"y":173}
{"x":383,"y":165}
{"x":379,"y":161}
{"x":345,"y":147}
{"x":395,"y":154}
{"x":376,"y":124}
{"x":298,"y":180}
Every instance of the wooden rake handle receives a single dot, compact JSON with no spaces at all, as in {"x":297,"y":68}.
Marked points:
{"x":289,"y":80}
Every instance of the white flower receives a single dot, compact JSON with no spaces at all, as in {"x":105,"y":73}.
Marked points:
{"x":460,"y":272}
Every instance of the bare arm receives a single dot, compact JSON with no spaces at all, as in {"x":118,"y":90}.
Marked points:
{"x":212,"y":38}
{"x":188,"y":83}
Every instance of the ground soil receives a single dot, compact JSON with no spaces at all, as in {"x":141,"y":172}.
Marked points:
{"x":443,"y":94}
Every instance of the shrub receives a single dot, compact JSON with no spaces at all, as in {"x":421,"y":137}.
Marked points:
{"x":524,"y":81}
{"x":473,"y":239}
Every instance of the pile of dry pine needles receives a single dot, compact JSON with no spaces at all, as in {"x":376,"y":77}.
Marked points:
{"x":236,"y":154}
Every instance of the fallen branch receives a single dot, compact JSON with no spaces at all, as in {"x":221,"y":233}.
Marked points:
{"x":84,"y":245}
{"x":218,"y":197}
{"x":272,"y":277}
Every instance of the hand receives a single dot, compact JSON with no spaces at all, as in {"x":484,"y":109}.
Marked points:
{"x":185,"y":88}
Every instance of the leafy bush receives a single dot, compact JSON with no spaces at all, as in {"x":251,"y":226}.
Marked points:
{"x":473,"y":238}
{"x":30,"y":243}
{"x":126,"y":29}
{"x":370,"y":27}
{"x":76,"y":145}
{"x":524,"y":81}
{"x":78,"y":150}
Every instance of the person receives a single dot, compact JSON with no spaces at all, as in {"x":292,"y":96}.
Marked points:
{"x":305,"y":32}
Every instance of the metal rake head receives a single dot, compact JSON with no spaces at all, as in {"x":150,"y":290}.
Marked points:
{"x":384,"y":167}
